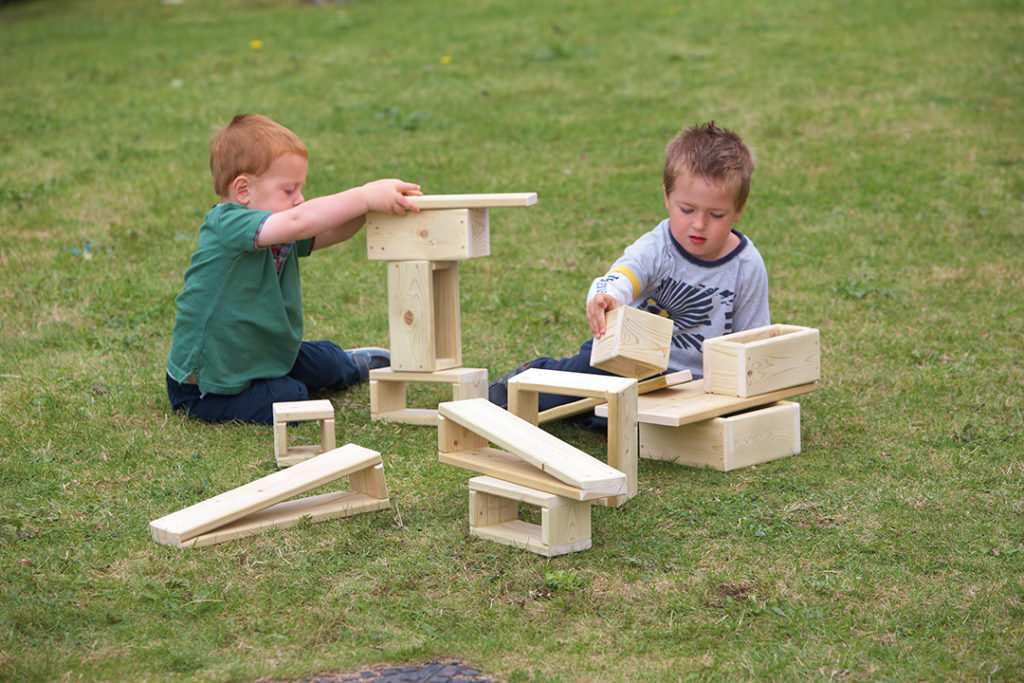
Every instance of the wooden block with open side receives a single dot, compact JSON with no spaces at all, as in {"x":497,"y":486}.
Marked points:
{"x":636,"y":343}
{"x":619,"y":393}
{"x":388,"y":392}
{"x":729,"y":442}
{"x":423,"y":315}
{"x":494,"y":515}
{"x":526,"y":454}
{"x":263,"y":504}
{"x":302,"y":411}
{"x":761,"y":360}
{"x":447,"y":227}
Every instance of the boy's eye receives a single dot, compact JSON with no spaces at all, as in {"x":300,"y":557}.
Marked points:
{"x":685,"y":210}
{"x":718,"y":216}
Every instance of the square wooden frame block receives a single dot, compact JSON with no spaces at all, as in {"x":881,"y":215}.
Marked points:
{"x":619,"y":393}
{"x":263,"y":504}
{"x":494,"y":515}
{"x":388,"y":392}
{"x":302,"y":411}
{"x":423,"y":315}
{"x":761,"y":360}
{"x":727,"y":443}
{"x":636,"y":344}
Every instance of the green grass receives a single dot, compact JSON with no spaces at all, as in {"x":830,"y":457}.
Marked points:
{"x":887,"y":204}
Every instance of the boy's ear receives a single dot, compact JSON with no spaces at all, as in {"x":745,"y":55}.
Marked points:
{"x":240,"y":187}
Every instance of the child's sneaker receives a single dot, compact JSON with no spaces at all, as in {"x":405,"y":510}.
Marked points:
{"x":370,"y":358}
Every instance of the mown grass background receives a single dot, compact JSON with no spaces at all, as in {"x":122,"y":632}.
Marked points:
{"x":887,"y":204}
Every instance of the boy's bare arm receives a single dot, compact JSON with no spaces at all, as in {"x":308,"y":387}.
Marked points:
{"x":338,"y":213}
{"x":597,"y":308}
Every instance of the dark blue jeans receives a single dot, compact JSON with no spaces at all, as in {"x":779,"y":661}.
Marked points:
{"x":319,"y":365}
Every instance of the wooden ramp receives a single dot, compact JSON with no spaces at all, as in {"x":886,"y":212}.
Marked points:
{"x":263,"y":504}
{"x":526,"y":454}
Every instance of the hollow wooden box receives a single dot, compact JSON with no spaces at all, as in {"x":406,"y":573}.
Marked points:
{"x":761,"y":360}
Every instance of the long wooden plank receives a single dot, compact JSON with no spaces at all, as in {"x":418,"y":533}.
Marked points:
{"x":508,"y":467}
{"x":583,"y":405}
{"x":289,"y":513}
{"x":688,"y":403}
{"x":569,"y":383}
{"x":532,"y":444}
{"x":187,"y":523}
{"x":474,"y":201}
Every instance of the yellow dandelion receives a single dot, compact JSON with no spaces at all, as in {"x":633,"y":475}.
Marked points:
{"x":255,"y":44}
{"x":446,"y":60}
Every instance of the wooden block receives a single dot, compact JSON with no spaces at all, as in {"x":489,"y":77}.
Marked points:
{"x":620,"y":393}
{"x":727,"y":443}
{"x":761,"y":360}
{"x":302,"y":411}
{"x":475,"y":201}
{"x":259,"y":504}
{"x":388,"y":392}
{"x":584,"y":404}
{"x":541,"y":451}
{"x":493,"y":514}
{"x":687,"y":402}
{"x":423,"y":315}
{"x":437,"y":235}
{"x":636,"y":343}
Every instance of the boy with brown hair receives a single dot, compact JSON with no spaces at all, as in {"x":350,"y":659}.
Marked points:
{"x":694,"y":267}
{"x":237,"y":344}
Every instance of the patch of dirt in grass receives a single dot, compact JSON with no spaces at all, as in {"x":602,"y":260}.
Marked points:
{"x":445,"y":668}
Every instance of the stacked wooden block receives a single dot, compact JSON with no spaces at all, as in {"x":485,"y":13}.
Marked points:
{"x":530,"y":466}
{"x":423,"y":251}
{"x":736,"y":416}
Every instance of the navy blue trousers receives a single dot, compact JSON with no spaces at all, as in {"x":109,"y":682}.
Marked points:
{"x":319,"y":365}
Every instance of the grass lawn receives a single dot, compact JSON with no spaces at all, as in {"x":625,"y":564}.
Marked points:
{"x":887,"y":204}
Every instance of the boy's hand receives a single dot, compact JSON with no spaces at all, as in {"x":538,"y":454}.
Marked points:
{"x":597,"y":308}
{"x":391,"y":196}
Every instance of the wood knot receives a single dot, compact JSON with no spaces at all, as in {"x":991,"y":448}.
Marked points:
{"x":408,"y":317}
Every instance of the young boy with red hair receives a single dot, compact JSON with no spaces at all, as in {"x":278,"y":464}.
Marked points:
{"x":237,"y":344}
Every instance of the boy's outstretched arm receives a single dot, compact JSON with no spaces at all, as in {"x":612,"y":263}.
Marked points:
{"x":336,"y":217}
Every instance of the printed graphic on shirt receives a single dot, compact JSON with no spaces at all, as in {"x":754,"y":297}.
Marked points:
{"x":690,"y":307}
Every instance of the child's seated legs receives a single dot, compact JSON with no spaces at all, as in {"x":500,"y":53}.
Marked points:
{"x":319,"y":365}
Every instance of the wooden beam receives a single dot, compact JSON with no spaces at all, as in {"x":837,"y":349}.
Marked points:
{"x":645,"y":386}
{"x":475,"y":201}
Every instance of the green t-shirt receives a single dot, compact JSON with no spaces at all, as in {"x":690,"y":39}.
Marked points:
{"x":239,"y":316}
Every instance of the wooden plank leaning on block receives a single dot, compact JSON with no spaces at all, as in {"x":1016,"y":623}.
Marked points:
{"x":466,"y":428}
{"x":258,"y":505}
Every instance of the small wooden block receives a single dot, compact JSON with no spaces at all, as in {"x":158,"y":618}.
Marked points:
{"x":435,"y":235}
{"x":620,"y":393}
{"x":727,"y":443}
{"x":423,"y":315}
{"x":388,"y":392}
{"x":263,"y":503}
{"x":636,"y":343}
{"x":302,"y":411}
{"x":761,"y":360}
{"x":467,"y":426}
{"x":493,"y":514}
